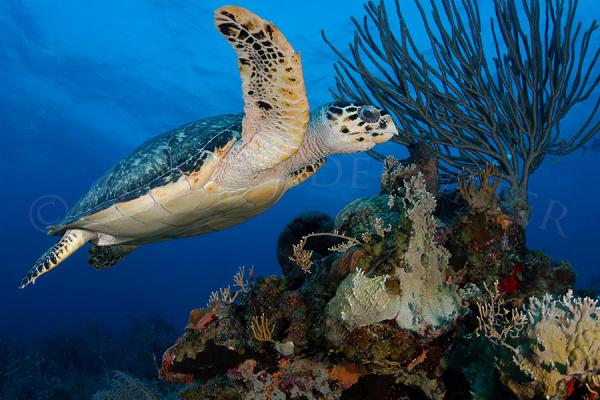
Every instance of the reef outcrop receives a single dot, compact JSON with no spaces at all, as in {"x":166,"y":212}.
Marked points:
{"x":403,"y":295}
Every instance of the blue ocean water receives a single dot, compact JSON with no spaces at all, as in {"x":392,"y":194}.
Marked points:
{"x":84,"y":83}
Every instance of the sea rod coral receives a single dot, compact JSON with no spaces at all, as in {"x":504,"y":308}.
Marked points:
{"x":474,"y":108}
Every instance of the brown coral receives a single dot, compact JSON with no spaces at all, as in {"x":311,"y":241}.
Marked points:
{"x":346,"y":373}
{"x":479,"y":190}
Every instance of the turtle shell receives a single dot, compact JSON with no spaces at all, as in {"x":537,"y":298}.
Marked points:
{"x":159,"y":161}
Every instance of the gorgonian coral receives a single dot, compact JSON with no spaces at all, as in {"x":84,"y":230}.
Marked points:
{"x":476,"y":101}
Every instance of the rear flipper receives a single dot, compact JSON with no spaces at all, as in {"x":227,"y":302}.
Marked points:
{"x":71,"y":241}
{"x":102,"y":257}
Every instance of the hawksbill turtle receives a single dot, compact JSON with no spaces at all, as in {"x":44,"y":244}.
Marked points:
{"x":217,"y":172}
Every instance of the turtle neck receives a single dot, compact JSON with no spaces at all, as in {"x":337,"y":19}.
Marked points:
{"x":313,"y":147}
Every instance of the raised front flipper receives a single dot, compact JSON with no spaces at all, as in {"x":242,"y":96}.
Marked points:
{"x":276,"y":106}
{"x":71,"y":241}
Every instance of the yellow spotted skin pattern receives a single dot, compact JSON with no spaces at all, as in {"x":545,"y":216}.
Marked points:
{"x":276,"y":107}
{"x":71,"y":241}
{"x":301,"y":175}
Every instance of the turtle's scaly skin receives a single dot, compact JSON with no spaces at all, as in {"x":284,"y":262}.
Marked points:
{"x":166,"y":188}
{"x":215,"y":173}
{"x":272,"y":84}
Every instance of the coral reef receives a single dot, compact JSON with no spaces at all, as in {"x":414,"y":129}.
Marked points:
{"x":81,"y":363}
{"x":479,"y":190}
{"x":546,"y":348}
{"x":428,"y":302}
{"x":360,"y":301}
{"x":127,"y":387}
{"x":403,"y":295}
{"x":564,"y":342}
{"x":422,"y":159}
{"x":295,"y":230}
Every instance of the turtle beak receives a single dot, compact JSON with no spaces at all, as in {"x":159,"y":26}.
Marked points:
{"x":386,"y":130}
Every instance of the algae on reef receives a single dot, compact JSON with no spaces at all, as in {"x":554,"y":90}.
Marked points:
{"x":391,"y":307}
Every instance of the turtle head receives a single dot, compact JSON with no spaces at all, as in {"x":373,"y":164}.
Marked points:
{"x":353,"y":127}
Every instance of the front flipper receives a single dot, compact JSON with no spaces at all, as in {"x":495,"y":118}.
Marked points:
{"x":71,"y":241}
{"x":103,"y":257}
{"x":302,"y":174}
{"x":276,"y":106}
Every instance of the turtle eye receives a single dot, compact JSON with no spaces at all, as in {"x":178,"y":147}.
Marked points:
{"x":369,"y":114}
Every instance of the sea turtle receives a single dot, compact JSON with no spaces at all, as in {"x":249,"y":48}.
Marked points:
{"x":217,"y":172}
